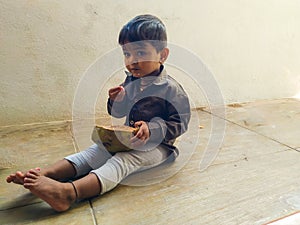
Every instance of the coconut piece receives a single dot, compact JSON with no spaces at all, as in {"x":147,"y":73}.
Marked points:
{"x":114,"y":138}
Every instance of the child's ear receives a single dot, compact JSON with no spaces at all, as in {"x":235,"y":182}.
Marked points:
{"x":164,"y":55}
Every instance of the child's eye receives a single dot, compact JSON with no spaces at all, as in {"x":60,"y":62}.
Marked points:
{"x":126,"y":54}
{"x":141,"y":53}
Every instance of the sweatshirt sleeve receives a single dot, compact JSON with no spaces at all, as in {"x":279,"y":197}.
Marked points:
{"x":117,"y":109}
{"x":178,"y":117}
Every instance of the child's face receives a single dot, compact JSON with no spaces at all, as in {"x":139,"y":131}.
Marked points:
{"x":141,"y":58}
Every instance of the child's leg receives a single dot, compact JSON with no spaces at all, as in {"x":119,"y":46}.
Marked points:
{"x":61,"y":195}
{"x":63,"y":169}
{"x":123,"y":164}
{"x":85,"y":161}
{"x":74,"y":165}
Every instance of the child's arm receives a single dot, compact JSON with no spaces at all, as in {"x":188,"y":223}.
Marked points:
{"x":178,"y":117}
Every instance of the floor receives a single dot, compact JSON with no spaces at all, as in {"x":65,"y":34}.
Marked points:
{"x":254,"y":178}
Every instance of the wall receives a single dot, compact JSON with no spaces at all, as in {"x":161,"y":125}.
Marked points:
{"x":251,"y":48}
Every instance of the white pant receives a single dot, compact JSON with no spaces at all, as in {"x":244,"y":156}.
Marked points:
{"x":111,"y":170}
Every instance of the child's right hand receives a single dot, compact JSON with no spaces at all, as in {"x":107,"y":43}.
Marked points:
{"x":117,"y":93}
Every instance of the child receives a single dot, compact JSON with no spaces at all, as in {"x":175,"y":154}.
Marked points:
{"x":148,"y":98}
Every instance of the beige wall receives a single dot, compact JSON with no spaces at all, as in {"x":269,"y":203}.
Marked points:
{"x":251,"y":47}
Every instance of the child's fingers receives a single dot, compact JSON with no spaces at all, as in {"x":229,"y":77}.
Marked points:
{"x":115,"y":90}
{"x":117,"y":93}
{"x":136,"y":138}
{"x":138,"y":123}
{"x":139,"y":140}
{"x":143,"y":130}
{"x":142,"y":136}
{"x":113,"y":94}
{"x":140,"y":132}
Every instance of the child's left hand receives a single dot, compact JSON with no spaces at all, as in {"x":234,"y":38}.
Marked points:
{"x":142,"y":136}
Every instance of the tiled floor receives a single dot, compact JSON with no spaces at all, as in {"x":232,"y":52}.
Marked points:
{"x":253,"y":180}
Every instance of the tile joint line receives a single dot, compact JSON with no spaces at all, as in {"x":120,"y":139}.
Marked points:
{"x":93,"y":213}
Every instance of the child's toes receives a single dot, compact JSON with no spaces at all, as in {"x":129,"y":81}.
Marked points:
{"x":19,"y":175}
{"x":30,"y":175}
{"x":34,"y":171}
{"x":10,"y":178}
{"x":28,"y":180}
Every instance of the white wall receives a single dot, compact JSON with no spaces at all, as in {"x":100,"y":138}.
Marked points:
{"x":251,"y":47}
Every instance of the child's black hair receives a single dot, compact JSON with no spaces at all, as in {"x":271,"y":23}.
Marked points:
{"x":144,"y":28}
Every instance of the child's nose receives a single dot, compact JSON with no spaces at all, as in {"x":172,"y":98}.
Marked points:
{"x":133,"y":60}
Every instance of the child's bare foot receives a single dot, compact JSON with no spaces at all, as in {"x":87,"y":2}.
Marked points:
{"x":58,"y":195}
{"x":17,"y":178}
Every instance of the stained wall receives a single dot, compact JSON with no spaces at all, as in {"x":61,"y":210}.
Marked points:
{"x":252,"y":49}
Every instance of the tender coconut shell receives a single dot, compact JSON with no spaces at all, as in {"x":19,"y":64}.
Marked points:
{"x":114,"y":138}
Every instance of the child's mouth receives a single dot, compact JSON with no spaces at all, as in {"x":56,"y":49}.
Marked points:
{"x":135,"y":70}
